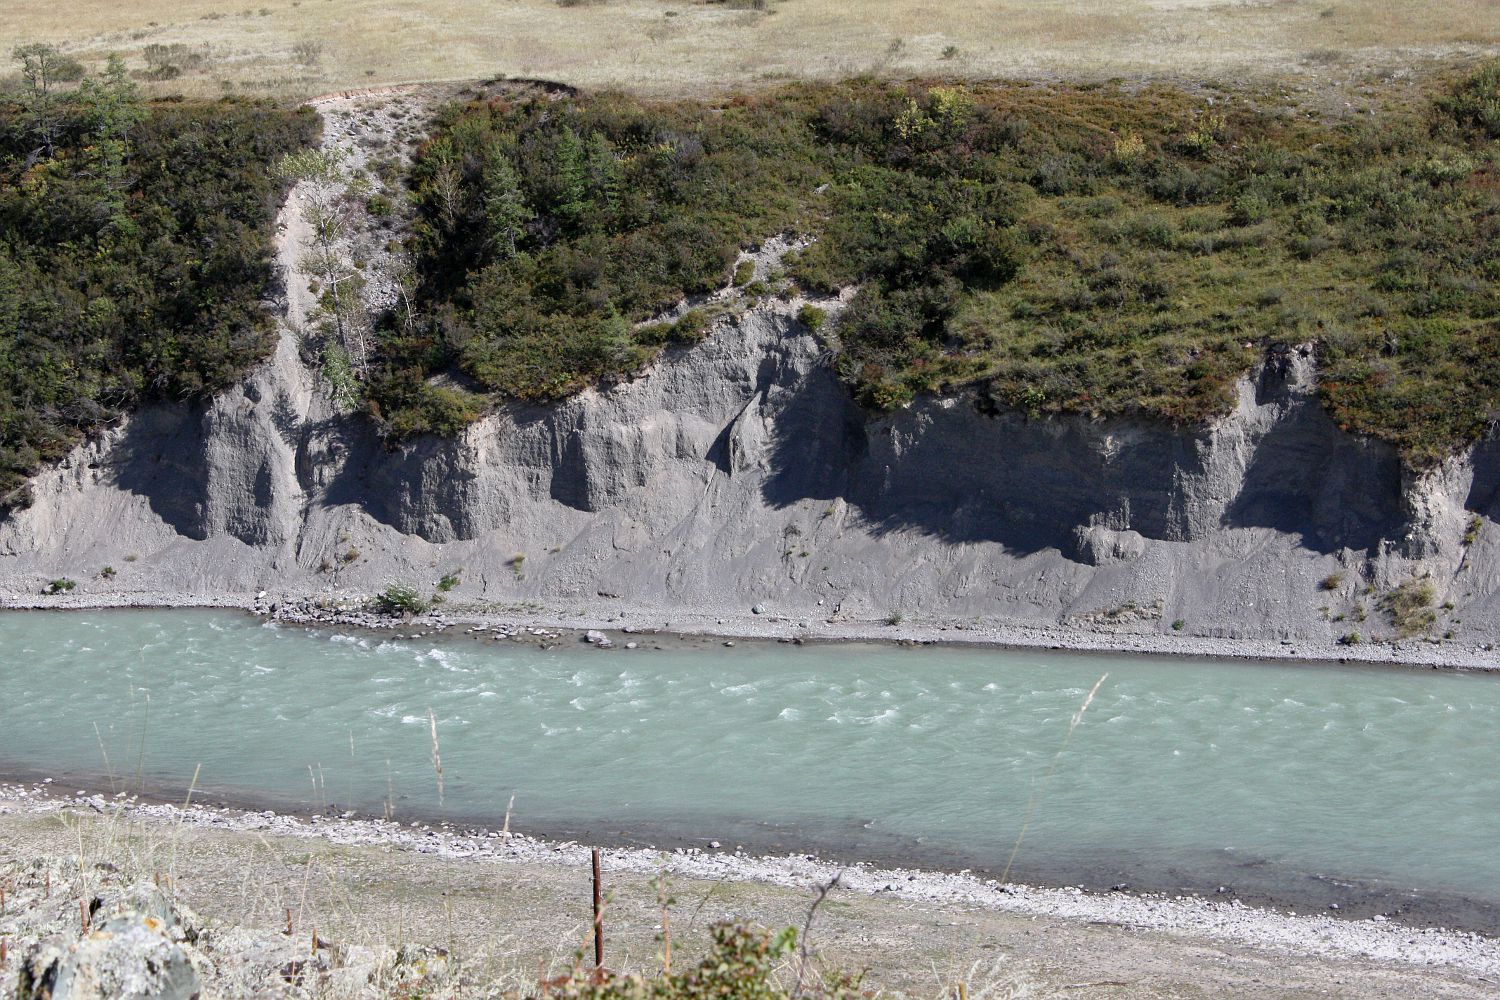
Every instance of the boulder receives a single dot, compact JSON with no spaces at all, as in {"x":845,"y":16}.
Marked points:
{"x":1096,"y":546}
{"x":131,"y":957}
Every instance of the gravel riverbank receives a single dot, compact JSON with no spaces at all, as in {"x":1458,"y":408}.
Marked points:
{"x":624,"y":623}
{"x":1222,"y":948}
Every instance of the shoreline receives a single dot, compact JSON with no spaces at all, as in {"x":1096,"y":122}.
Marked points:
{"x":625,"y":623}
{"x":1174,"y":916}
{"x":1347,"y":899}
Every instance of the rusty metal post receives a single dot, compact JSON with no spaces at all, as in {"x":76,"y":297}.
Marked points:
{"x":598,"y":914}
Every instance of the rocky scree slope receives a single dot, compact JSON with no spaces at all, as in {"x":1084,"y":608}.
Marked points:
{"x":737,"y":472}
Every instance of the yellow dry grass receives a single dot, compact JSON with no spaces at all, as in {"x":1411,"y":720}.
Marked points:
{"x":302,"y":47}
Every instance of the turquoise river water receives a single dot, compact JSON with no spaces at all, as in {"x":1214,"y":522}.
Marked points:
{"x":1290,"y":783}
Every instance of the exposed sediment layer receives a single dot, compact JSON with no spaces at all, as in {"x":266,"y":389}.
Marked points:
{"x":738,"y":472}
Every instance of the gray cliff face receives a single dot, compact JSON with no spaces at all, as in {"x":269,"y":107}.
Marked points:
{"x":738,"y":472}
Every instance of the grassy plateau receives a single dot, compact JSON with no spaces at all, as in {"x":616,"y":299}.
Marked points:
{"x":686,"y":48}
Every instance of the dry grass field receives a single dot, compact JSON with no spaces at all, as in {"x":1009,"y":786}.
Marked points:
{"x":303,"y":47}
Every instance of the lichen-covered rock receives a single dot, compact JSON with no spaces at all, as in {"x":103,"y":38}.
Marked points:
{"x":149,"y":900}
{"x":131,"y":957}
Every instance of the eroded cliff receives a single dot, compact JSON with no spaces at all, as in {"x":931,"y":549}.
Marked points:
{"x":738,"y":472}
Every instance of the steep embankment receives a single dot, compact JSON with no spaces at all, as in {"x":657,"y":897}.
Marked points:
{"x":738,"y":472}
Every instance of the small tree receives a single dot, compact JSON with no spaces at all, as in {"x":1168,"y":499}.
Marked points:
{"x":505,"y":209}
{"x":572,"y":178}
{"x":42,"y":68}
{"x":111,"y":107}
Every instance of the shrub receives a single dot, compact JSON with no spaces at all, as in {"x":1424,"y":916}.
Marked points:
{"x":744,"y":272}
{"x":167,"y":62}
{"x":1474,"y":103}
{"x":308,"y":53}
{"x":1333,"y":581}
{"x":449,"y":581}
{"x":740,"y":964}
{"x":60,"y":586}
{"x":1248,"y":208}
{"x":107,"y":573}
{"x":691,"y":327}
{"x":1410,"y":607}
{"x":1179,"y":625}
{"x":811,"y":317}
{"x":1350,"y":639}
{"x":400,"y":599}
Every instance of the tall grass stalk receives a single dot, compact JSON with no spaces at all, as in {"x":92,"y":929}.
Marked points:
{"x":437,"y":758}
{"x":103,"y":752}
{"x":177,"y":827}
{"x":1037,"y":791}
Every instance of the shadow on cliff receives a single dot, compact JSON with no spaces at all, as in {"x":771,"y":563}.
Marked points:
{"x":944,"y":469}
{"x":936,"y":480}
{"x":162,"y":457}
{"x":1484,"y":491}
{"x":1307,"y":478}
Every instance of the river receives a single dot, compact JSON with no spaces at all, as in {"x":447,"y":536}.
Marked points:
{"x":1297,"y":784}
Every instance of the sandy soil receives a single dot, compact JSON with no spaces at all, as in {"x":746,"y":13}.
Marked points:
{"x":511,"y":908}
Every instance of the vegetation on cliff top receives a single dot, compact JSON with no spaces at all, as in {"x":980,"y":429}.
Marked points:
{"x":1083,"y":249}
{"x":135,"y":247}
{"x":1088,"y":249}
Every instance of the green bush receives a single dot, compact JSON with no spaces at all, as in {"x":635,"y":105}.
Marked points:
{"x":400,"y":599}
{"x":741,"y":964}
{"x":61,"y":586}
{"x":1410,"y":607}
{"x":1474,"y":104}
{"x":811,"y":317}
